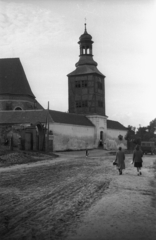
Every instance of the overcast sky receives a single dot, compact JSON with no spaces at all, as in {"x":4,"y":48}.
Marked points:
{"x":44,"y":35}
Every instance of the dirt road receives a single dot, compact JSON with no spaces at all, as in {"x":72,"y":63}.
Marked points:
{"x":42,"y":200}
{"x":74,"y":197}
{"x":127,"y":210}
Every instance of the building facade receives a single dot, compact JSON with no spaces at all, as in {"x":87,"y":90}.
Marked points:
{"x":85,"y":126}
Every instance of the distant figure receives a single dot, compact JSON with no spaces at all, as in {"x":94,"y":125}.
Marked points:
{"x":6,"y":142}
{"x":137,"y":159}
{"x":87,"y":154}
{"x":120,"y":160}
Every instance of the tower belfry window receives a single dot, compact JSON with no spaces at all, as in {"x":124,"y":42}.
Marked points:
{"x":81,"y":83}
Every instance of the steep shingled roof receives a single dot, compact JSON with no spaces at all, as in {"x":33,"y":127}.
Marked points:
{"x":13,"y":79}
{"x":85,"y":69}
{"x":23,"y":116}
{"x":115,"y":125}
{"x":34,"y":116}
{"x":70,"y":118}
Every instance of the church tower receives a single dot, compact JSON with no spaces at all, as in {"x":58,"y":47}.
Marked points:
{"x":86,"y":89}
{"x":86,"y":84}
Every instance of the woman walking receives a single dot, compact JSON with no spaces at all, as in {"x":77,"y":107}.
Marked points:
{"x":120,"y":160}
{"x":137,"y":159}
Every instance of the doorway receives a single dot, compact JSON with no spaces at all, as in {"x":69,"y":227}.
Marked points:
{"x":101,"y":139}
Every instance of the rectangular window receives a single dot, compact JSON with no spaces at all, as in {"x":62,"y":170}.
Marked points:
{"x":99,"y":85}
{"x":84,"y":103}
{"x":78,"y":104}
{"x":84,"y":83}
{"x":100,"y":104}
{"x":79,"y":84}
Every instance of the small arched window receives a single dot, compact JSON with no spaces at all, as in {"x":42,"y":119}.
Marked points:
{"x":18,"y":108}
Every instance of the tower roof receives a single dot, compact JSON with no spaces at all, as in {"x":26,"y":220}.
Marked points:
{"x":85,"y":35}
{"x":86,"y":63}
{"x":85,"y":69}
{"x":13,"y":79}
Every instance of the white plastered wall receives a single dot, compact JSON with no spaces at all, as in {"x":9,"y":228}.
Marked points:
{"x":100,"y":125}
{"x":72,"y":137}
{"x":112,"y":141}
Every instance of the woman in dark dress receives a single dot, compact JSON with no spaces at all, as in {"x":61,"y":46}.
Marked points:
{"x":137,"y":159}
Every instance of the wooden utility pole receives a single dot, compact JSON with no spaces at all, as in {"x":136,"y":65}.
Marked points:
{"x":48,"y":128}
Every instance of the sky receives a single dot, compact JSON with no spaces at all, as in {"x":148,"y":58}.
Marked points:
{"x":44,"y":34}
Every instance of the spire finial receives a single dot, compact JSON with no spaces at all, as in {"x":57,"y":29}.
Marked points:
{"x":85,"y":25}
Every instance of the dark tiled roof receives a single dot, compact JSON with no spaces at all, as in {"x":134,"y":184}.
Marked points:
{"x":12,"y":78}
{"x":27,"y":116}
{"x":70,"y":118}
{"x":85,"y":69}
{"x":38,"y":105}
{"x":86,"y":60}
{"x":115,"y":125}
{"x":34,"y":116}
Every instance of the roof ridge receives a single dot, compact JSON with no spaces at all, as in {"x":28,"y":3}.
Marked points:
{"x":10,"y":58}
{"x":25,"y":110}
{"x":68,"y":113}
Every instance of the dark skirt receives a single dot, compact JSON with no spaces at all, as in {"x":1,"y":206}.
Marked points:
{"x":138,"y":164}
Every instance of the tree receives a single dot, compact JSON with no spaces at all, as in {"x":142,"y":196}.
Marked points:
{"x":152,"y":126}
{"x":147,"y":133}
{"x":130,"y":136}
{"x":143,"y":134}
{"x":120,"y":137}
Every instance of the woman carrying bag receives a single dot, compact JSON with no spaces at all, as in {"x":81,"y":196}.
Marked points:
{"x":120,"y":160}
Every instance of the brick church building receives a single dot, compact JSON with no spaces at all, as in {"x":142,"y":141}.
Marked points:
{"x":85,"y":126}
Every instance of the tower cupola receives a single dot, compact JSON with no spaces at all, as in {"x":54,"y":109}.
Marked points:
{"x":85,"y":43}
{"x":86,"y":49}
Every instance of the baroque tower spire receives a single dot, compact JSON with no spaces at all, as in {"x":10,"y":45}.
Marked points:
{"x":86,"y":87}
{"x":86,"y":56}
